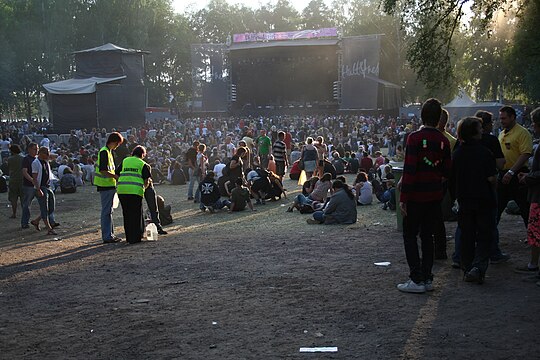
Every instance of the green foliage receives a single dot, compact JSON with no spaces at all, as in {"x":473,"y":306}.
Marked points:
{"x":524,"y":57}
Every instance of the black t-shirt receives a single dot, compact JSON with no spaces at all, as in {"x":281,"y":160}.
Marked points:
{"x":493,"y":144}
{"x":27,"y":164}
{"x":45,"y":176}
{"x":472,"y":164}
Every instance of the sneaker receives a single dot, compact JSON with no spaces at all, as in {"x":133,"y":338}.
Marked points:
{"x":211,"y":208}
{"x":525,"y":269}
{"x":25,"y":226}
{"x":411,"y":287}
{"x":474,"y":275}
{"x":502,"y":258}
{"x":162,"y":232}
{"x":428,"y":284}
{"x":456,"y":265}
{"x":190,"y":198}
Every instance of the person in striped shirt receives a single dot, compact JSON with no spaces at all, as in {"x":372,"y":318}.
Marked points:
{"x":279,"y":150}
{"x":427,"y":163}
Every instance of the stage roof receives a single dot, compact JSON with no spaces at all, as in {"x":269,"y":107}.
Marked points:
{"x":78,"y":86}
{"x":288,"y":43}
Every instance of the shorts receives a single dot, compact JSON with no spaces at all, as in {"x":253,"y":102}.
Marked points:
{"x":533,"y":229}
{"x":15,"y":192}
{"x":280,"y":168}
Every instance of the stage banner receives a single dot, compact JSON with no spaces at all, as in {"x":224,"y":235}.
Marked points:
{"x":288,"y":35}
{"x":210,"y":75}
{"x":360,"y":72}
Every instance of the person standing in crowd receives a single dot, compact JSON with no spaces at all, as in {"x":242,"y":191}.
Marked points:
{"x":309,"y":157}
{"x":427,"y":163}
{"x":472,"y":182}
{"x":28,"y":191}
{"x":517,"y":147}
{"x":42,"y":177}
{"x":200,"y":170}
{"x":263,"y":147}
{"x":532,"y":180}
{"x":191,"y":162}
{"x":134,"y":178}
{"x":105,"y":180}
{"x":491,"y":142}
{"x":439,"y":236}
{"x":15,"y":178}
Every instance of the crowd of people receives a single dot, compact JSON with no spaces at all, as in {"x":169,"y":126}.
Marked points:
{"x":237,"y":163}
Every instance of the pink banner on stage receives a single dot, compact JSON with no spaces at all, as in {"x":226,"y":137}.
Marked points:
{"x":289,"y":35}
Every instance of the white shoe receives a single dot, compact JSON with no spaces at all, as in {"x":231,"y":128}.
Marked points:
{"x":411,"y":287}
{"x":428,"y":284}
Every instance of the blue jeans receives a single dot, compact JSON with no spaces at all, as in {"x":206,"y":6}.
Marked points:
{"x":107,"y":226}
{"x":28,"y":194}
{"x":319,"y":216}
{"x":47,"y":204}
{"x":301,"y":199}
{"x":191,"y":183}
{"x":220,"y":204}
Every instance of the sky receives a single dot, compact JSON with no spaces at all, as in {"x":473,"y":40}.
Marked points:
{"x":182,"y":6}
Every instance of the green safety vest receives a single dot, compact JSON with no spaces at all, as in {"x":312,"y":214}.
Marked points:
{"x":131,"y":180}
{"x":99,"y":178}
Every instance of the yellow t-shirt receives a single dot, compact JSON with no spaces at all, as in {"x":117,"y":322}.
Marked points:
{"x":450,"y":138}
{"x":515,"y":142}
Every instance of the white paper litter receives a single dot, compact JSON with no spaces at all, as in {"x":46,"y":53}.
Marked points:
{"x":319,"y":349}
{"x":382,"y":263}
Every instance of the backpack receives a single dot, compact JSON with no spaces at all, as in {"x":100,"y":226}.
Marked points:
{"x":306,"y":209}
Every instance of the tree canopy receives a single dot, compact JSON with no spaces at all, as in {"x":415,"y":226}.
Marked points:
{"x":431,"y":48}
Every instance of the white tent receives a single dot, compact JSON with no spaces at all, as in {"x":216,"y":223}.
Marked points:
{"x":461,"y":100}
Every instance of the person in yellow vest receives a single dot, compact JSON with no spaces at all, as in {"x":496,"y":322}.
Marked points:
{"x":105,"y":180}
{"x":135,"y":177}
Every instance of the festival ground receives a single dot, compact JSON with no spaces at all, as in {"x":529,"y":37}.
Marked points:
{"x":249,"y":285}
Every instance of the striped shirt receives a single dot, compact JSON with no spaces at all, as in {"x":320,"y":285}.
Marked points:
{"x":279,"y":151}
{"x":427,"y":162}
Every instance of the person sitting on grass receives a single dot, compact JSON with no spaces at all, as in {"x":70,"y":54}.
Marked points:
{"x":68,"y":183}
{"x":210,"y":195}
{"x":240,"y":197}
{"x":317,"y":193}
{"x":364,"y":189}
{"x":341,"y":209}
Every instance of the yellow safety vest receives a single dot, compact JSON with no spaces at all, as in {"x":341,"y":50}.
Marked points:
{"x":99,"y":178}
{"x":131,"y":181}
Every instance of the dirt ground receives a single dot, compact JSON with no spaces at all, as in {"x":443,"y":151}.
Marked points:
{"x":249,"y":285}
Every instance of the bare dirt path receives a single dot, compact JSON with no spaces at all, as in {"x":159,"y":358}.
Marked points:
{"x":249,"y":286}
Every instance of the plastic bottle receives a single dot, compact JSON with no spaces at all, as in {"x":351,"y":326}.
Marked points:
{"x":151,"y":232}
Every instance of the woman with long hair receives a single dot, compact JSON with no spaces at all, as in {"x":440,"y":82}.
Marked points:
{"x":341,"y":209}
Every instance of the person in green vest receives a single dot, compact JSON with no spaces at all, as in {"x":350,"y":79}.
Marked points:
{"x":105,"y":180}
{"x":135,"y":177}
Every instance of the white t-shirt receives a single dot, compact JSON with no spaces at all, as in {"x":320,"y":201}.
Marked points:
{"x":61,"y":169}
{"x":366,"y":194}
{"x":4,"y":145}
{"x":218,"y":170}
{"x":45,"y":142}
